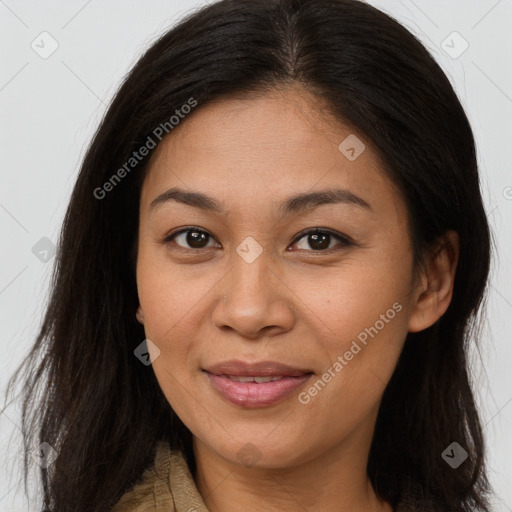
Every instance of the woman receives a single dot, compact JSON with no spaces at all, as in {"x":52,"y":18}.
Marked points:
{"x":268,"y":276}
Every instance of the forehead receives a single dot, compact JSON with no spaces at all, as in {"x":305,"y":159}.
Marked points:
{"x":256,"y":150}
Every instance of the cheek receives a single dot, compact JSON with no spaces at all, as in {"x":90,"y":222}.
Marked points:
{"x":165,"y":305}
{"x":169,"y":295}
{"x":362,"y":323}
{"x":175,"y":302}
{"x":350,"y":386}
{"x":346,"y":302}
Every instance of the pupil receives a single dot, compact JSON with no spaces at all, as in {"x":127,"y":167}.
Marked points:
{"x":194,"y":238}
{"x":314,"y":239}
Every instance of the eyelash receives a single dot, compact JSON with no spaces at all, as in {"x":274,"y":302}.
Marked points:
{"x":345,"y":241}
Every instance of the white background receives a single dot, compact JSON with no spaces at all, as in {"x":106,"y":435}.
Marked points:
{"x":50,"y":107}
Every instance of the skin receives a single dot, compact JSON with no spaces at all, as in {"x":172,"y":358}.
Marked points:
{"x":292,"y":304}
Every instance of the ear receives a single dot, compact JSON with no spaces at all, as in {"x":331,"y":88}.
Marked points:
{"x":434,"y":293}
{"x":139,"y":315}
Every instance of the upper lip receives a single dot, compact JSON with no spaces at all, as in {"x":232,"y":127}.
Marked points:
{"x":259,"y":369}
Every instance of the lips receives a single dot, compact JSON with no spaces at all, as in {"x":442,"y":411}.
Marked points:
{"x":256,"y":384}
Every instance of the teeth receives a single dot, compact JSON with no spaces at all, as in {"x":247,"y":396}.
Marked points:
{"x":259,"y":380}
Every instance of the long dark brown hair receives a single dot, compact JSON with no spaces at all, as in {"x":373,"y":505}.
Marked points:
{"x":91,"y":399}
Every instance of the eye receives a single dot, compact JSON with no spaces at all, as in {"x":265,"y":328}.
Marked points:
{"x":319,"y":239}
{"x":195,"y":238}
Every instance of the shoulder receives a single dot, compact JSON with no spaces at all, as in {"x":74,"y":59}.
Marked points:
{"x":151,"y":493}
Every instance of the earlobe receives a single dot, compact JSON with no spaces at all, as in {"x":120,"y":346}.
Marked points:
{"x":436,"y":290}
{"x":139,"y":315}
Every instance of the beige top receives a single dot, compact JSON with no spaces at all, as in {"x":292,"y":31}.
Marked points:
{"x":168,"y":486}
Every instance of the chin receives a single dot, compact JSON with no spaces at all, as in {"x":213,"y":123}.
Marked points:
{"x":260,"y":453}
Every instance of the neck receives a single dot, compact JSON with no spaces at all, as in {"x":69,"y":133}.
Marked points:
{"x":335,"y":480}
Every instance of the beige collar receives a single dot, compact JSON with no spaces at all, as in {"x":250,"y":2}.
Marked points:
{"x":166,"y":486}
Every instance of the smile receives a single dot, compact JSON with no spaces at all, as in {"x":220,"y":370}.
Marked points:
{"x":256,"y":391}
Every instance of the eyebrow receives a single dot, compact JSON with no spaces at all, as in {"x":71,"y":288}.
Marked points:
{"x":295,"y":204}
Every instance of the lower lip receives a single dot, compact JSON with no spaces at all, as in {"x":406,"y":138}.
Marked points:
{"x":253,"y":394}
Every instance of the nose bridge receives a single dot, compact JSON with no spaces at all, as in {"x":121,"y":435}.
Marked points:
{"x":251,"y":272}
{"x":252,"y":299}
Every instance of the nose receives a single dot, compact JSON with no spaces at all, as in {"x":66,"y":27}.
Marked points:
{"x":255,"y":300}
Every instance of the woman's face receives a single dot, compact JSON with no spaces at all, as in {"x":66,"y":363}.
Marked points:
{"x":247,"y":283}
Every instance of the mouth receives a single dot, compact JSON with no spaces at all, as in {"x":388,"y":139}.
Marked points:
{"x":254,"y":385}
